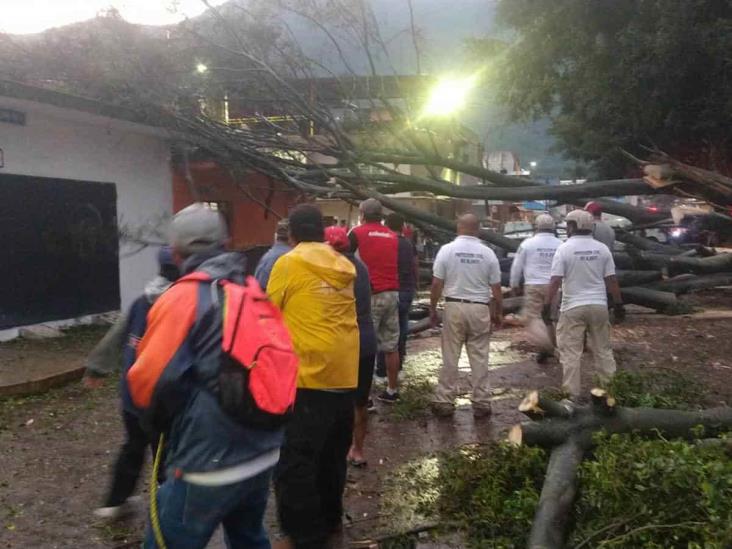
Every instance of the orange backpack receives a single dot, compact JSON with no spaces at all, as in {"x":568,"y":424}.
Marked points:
{"x":257,"y":377}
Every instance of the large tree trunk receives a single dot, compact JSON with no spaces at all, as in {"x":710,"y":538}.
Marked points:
{"x":569,"y":430}
{"x":644,"y":421}
{"x":662,"y":302}
{"x":690,"y":283}
{"x":410,"y":212}
{"x":549,"y":528}
{"x":398,"y":183}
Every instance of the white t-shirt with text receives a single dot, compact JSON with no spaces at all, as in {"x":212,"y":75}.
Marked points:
{"x":533,"y":259}
{"x":583,"y":263}
{"x":469,"y":268}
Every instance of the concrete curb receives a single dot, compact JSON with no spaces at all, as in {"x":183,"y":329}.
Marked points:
{"x":35,"y":386}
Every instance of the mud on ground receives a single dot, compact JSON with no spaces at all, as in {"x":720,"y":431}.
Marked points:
{"x":56,"y":450}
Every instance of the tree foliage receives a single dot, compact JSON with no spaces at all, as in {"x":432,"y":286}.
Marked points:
{"x":617,"y":74}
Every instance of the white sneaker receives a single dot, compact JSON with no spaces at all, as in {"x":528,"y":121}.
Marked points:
{"x":118,"y":511}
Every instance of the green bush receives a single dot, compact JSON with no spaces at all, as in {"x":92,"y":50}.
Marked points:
{"x":654,"y":494}
{"x":491,"y":492}
{"x":656,"y":389}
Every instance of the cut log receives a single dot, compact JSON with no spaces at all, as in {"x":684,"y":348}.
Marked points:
{"x":418,"y":326}
{"x":548,"y":531}
{"x":662,"y":302}
{"x":644,"y":421}
{"x":536,"y":406}
{"x":645,"y":244}
{"x":700,"y":265}
{"x":689,"y":283}
{"x":637,"y":278}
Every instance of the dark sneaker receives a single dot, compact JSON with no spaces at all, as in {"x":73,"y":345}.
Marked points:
{"x":370,"y":406}
{"x":543,"y":357}
{"x":482,"y":411}
{"x":388,"y":398}
{"x":442,"y":409}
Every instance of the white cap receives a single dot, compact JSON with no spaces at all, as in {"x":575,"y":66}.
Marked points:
{"x":544,"y":222}
{"x":582,"y":219}
{"x":197,"y":228}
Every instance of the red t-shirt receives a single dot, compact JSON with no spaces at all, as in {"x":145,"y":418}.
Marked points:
{"x":378,"y":247}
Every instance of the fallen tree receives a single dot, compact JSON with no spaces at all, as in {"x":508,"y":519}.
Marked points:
{"x":690,"y":283}
{"x":569,"y":431}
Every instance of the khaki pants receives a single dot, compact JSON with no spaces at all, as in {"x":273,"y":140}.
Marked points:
{"x":573,"y":324}
{"x":469,"y":324}
{"x":533,"y":301}
{"x":537,"y":333}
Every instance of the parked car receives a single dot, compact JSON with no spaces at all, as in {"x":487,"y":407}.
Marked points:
{"x":518,"y":230}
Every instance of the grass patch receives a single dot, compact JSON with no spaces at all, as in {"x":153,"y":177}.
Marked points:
{"x":487,"y":492}
{"x":665,"y":388}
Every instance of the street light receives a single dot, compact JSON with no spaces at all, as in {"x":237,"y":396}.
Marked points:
{"x":201,"y":68}
{"x":532,"y":163}
{"x":449,"y":96}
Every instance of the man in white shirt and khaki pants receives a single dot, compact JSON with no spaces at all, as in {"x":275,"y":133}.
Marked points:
{"x":586,"y":271}
{"x":533,"y":263}
{"x":468,"y":273}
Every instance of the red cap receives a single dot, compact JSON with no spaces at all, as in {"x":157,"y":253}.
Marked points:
{"x":595,"y":208}
{"x":338,"y":238}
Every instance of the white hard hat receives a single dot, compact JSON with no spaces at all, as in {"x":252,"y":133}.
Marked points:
{"x":544,"y":222}
{"x":582,"y":219}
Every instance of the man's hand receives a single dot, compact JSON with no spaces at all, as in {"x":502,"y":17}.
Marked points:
{"x":92,"y":382}
{"x":434,"y":319}
{"x":497,"y":321}
{"x":619,"y":313}
{"x":546,"y":314}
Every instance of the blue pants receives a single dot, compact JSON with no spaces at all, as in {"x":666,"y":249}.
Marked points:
{"x":190,"y":513}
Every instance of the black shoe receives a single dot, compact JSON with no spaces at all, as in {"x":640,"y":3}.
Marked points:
{"x":388,"y":398}
{"x":370,"y":406}
{"x":542,"y":357}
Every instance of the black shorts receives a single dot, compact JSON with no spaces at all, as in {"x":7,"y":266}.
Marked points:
{"x":365,"y":377}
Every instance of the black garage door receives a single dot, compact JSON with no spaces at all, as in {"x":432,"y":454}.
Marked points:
{"x":59,"y":254}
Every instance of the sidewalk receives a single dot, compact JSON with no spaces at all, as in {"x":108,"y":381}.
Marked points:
{"x":34,"y":366}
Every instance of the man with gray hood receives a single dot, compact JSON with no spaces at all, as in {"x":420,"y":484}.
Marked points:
{"x":217,"y":469}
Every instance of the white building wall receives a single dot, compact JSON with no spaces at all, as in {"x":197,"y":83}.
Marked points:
{"x":69,"y":144}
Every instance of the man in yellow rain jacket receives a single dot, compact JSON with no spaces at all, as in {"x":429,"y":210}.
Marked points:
{"x":313,"y":286}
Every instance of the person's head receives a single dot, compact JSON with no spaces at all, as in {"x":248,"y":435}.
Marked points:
{"x":166,"y":264}
{"x":196,"y":229}
{"x":579,"y":222}
{"x":337,"y":237}
{"x":395,"y":222}
{"x":544,"y":223}
{"x":306,"y":224}
{"x":468,"y":225}
{"x":282,"y":232}
{"x":595,"y":209}
{"x":370,"y":210}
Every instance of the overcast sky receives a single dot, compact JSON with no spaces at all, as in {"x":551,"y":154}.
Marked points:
{"x":27,"y":16}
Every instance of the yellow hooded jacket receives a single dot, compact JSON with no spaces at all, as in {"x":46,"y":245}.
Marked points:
{"x":313,"y":287}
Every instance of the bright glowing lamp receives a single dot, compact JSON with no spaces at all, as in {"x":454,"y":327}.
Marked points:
{"x":201,"y":68}
{"x":449,"y":96}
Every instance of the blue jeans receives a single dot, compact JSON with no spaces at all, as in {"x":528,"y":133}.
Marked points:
{"x":190,"y":513}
